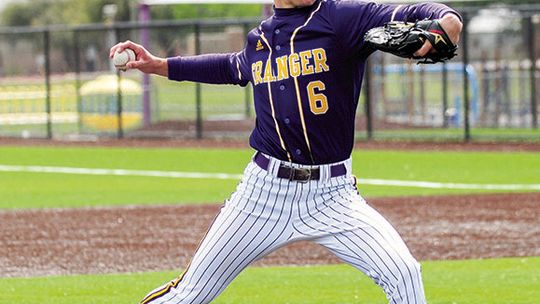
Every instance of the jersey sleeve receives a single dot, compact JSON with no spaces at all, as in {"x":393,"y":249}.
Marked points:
{"x":210,"y":68}
{"x":352,"y":19}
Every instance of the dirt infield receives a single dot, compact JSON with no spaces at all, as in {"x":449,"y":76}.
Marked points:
{"x":132,"y":239}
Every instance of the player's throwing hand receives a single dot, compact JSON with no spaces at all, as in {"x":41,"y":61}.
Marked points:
{"x":145,"y":61}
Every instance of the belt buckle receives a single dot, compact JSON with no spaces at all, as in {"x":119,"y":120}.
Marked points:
{"x":302,"y":175}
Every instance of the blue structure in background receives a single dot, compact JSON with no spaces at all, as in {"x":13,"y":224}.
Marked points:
{"x":454,"y":67}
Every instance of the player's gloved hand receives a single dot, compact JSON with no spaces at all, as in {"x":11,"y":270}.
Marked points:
{"x":452,"y":26}
{"x":145,"y":62}
{"x":426,"y":39}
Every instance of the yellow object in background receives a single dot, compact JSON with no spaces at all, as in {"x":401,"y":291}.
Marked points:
{"x":99,"y":104}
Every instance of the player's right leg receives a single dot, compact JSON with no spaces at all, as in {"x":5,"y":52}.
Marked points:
{"x":250,"y":225}
{"x":364,"y":239}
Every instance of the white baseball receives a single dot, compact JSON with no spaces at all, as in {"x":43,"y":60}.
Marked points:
{"x":120,"y":59}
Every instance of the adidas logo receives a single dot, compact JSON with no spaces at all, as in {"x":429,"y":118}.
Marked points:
{"x":259,"y":46}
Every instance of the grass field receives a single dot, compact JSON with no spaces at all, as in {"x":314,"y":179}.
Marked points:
{"x":508,"y":281}
{"x":512,"y":280}
{"x":30,"y":190}
{"x":457,"y":134}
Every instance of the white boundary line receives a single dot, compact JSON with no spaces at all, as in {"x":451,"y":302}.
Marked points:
{"x":435,"y":185}
{"x":201,"y":175}
{"x":118,"y":172}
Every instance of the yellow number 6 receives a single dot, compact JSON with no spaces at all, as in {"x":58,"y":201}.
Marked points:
{"x":318,"y":103}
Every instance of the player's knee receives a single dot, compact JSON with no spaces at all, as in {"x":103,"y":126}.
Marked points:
{"x":406,"y":285}
{"x":409,"y":272}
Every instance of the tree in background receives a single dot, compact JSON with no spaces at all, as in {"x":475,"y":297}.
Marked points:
{"x":47,"y":12}
{"x":215,"y":11}
{"x":37,"y":13}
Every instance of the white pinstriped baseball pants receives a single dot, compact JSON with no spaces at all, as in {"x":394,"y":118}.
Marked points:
{"x":267,"y":212}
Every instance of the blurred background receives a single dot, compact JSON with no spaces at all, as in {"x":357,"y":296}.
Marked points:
{"x":56,"y":79}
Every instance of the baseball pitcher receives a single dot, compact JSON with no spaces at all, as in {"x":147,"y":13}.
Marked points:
{"x":305,"y":64}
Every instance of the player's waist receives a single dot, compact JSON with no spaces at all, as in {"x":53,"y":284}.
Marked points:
{"x":299,"y":172}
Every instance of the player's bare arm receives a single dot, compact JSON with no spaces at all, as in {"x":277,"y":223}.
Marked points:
{"x":452,"y":25}
{"x":145,"y":61}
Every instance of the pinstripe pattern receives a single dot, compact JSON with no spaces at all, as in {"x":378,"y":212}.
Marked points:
{"x":266,"y":213}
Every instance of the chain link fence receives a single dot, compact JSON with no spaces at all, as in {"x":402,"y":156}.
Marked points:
{"x":497,"y":65}
{"x":58,"y":82}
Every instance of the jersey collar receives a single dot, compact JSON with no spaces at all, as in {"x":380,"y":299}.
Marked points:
{"x":284,"y":12}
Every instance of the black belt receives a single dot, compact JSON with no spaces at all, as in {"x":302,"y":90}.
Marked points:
{"x":299,"y":174}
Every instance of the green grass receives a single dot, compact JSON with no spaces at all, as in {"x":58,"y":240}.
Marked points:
{"x":457,"y":134}
{"x":508,"y":281}
{"x":25,"y":190}
{"x":30,"y":190}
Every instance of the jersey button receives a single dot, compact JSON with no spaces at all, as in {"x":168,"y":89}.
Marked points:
{"x":287,"y":120}
{"x":278,"y":47}
{"x":276,"y":31}
{"x":298,"y":151}
{"x":282,"y":87}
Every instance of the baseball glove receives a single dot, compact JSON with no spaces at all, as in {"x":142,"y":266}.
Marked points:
{"x":403,"y":39}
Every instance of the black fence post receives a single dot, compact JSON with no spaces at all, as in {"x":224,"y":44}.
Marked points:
{"x":120,"y":131}
{"x":77,"y":58}
{"x":445,"y":94}
{"x":247,"y":91}
{"x":119,"y":110}
{"x":47,"y":54}
{"x":465,"y":47}
{"x":367,"y":92}
{"x":198,"y":106}
{"x":532,"y":58}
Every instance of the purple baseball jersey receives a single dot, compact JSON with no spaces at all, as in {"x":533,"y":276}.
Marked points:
{"x":306,"y":68}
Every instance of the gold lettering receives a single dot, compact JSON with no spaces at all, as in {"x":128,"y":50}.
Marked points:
{"x":319,"y":56}
{"x":268,"y":77}
{"x":318,"y":103}
{"x":307,"y":68}
{"x":294,"y":65}
{"x":282,"y":68}
{"x":256,"y":70}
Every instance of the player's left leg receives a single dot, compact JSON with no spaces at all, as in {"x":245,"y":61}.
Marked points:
{"x":364,"y":239}
{"x":251,"y":224}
